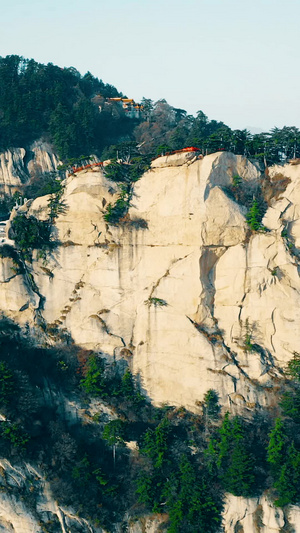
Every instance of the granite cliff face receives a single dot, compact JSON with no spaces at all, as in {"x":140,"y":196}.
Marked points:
{"x":185,"y":244}
{"x":176,"y":288}
{"x":17,"y":165}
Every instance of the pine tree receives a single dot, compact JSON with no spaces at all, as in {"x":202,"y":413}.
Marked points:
{"x":155,"y":444}
{"x":239,"y":478}
{"x":190,"y":502}
{"x":94,"y":382}
{"x":254,"y":216}
{"x":7,"y":384}
{"x":288,"y":482}
{"x":277,"y":447}
{"x":235,"y":461}
{"x":293,"y":368}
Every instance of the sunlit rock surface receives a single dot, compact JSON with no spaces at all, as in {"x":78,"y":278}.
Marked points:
{"x":27,"y":505}
{"x":248,"y":515}
{"x":176,"y":288}
{"x":18,"y":165}
{"x":178,"y":284}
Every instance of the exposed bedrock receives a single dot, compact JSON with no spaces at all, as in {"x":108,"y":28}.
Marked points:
{"x":176,"y":284}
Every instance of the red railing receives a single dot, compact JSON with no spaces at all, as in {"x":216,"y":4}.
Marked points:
{"x":100,"y":163}
{"x":182,"y":150}
{"x":78,"y":169}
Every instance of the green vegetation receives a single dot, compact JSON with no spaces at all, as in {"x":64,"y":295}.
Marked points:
{"x":45,"y":100}
{"x":211,"y":407}
{"x":124,"y":174}
{"x":156,"y":302}
{"x":99,"y":380}
{"x":247,"y":339}
{"x":173,"y":478}
{"x":30,"y":233}
{"x":293,"y":368}
{"x":284,"y":459}
{"x":236,"y":181}
{"x":113,"y":433}
{"x":62,"y":106}
{"x":191,"y":503}
{"x":7,"y":384}
{"x":114,"y":213}
{"x":290,"y":400}
{"x":234,"y":459}
{"x":40,"y":185}
{"x":183,"y":462}
{"x":15,"y":435}
{"x":254,"y":216}
{"x":94,"y":382}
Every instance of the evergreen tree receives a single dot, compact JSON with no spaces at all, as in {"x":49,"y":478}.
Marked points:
{"x":94,"y":382}
{"x":235,"y":462}
{"x":155,"y":444}
{"x":290,"y":404}
{"x":113,"y":433}
{"x":277,"y":447}
{"x":7,"y":384}
{"x":238,"y":477}
{"x":288,"y":481}
{"x":293,"y":368}
{"x":211,"y":407}
{"x":128,"y":386}
{"x":254,"y":216}
{"x":190,"y":502}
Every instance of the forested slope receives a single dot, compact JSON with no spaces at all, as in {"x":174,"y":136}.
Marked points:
{"x":58,"y":105}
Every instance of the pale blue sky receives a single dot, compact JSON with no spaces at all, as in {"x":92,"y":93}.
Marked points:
{"x":234,"y":60}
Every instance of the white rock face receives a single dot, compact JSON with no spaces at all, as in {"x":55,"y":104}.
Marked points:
{"x":18,"y":165}
{"x":12,"y":173}
{"x":248,"y":515}
{"x":17,"y":514}
{"x":175,"y":289}
{"x":178,"y":284}
{"x":42,"y":159}
{"x":104,"y":279}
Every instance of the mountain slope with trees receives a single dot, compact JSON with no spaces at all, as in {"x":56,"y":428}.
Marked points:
{"x":58,"y":104}
{"x":82,"y":268}
{"x":183,"y":463}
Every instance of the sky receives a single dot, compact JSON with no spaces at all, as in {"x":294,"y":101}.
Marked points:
{"x":236,"y":60}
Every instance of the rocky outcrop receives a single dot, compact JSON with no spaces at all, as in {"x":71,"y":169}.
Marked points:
{"x":40,"y":158}
{"x":18,"y":165}
{"x":105,"y":282}
{"x":12,"y":170}
{"x":181,"y":288}
{"x":178,"y":285}
{"x":258,"y":515}
{"x":27,"y":505}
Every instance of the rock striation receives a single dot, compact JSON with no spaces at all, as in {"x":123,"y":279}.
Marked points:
{"x":178,"y":285}
{"x":179,"y":288}
{"x":18,"y":165}
{"x":259,"y":515}
{"x":17,"y":515}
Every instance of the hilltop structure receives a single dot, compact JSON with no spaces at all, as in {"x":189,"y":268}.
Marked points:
{"x":128,"y":105}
